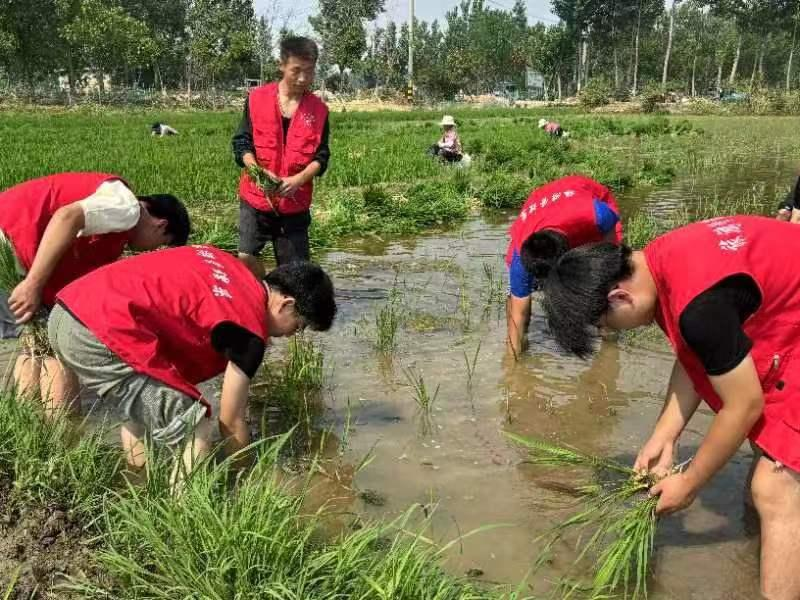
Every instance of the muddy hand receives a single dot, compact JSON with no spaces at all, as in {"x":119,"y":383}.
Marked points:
{"x":656,"y":457}
{"x":675,"y":493}
{"x":24,"y":301}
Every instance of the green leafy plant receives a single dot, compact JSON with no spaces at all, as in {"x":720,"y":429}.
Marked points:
{"x":616,"y":519}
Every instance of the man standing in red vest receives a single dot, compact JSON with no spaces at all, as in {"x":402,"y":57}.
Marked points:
{"x":63,"y":226}
{"x":285,"y":132}
{"x":731,"y":311}
{"x":563,"y":214}
{"x":143,"y":332}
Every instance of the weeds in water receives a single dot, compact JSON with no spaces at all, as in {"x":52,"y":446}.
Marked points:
{"x":422,"y":396}
{"x":464,"y":304}
{"x":471,"y":365}
{"x":387,"y":322}
{"x":293,"y":386}
{"x":258,"y":542}
{"x":494,"y":288}
{"x":619,"y":515}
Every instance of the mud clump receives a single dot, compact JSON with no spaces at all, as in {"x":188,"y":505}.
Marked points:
{"x":40,"y":547}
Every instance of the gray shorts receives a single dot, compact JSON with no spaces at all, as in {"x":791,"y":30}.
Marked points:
{"x":167,"y":415}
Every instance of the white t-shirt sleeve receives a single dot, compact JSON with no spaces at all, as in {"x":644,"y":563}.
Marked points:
{"x":112,"y":208}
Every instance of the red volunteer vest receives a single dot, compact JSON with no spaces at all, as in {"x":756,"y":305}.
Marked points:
{"x":566,"y":206}
{"x":26,"y":210}
{"x":302,"y":141}
{"x":156,"y":311}
{"x":689,"y":260}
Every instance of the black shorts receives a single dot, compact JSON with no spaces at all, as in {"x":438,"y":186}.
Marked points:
{"x":288,"y":233}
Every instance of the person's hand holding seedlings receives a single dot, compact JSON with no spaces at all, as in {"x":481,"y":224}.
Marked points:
{"x":25,"y":300}
{"x":290,"y":185}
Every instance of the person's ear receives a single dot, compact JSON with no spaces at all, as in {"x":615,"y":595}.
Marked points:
{"x":617,"y":298}
{"x":287,"y":302}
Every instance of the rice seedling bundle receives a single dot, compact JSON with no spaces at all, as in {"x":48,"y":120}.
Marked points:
{"x":35,"y":331}
{"x":263,"y":180}
{"x":616,"y":520}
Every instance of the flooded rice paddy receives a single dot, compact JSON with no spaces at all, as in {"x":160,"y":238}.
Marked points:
{"x":447,"y":291}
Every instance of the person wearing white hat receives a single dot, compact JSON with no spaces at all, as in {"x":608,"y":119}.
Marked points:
{"x":551,"y":128}
{"x":448,"y":148}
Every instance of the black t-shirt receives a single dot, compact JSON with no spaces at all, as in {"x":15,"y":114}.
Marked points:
{"x":240,"y":346}
{"x":711,"y":324}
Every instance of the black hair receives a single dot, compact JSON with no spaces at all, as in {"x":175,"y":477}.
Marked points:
{"x":576,"y":293}
{"x":541,"y":250}
{"x":167,"y":206}
{"x":299,"y":47}
{"x":311,"y":289}
{"x":155,"y":126}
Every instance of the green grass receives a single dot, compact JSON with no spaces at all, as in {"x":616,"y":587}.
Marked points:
{"x":380,"y":181}
{"x":50,"y":461}
{"x":615,"y":520}
{"x":227,"y":534}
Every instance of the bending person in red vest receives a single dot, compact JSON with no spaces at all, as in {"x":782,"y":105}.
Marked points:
{"x":731,"y":311}
{"x":563,"y":214}
{"x":284,"y":131}
{"x":143,"y":332}
{"x":63,"y":226}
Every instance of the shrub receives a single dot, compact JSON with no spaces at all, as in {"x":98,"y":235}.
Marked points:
{"x":504,"y":191}
{"x":596,"y":93}
{"x":650,"y":98}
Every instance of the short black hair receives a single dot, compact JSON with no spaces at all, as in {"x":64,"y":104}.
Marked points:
{"x":167,"y":206}
{"x":576,"y":293}
{"x":155,"y":126}
{"x":541,"y":250}
{"x":311,"y":289}
{"x":299,"y":47}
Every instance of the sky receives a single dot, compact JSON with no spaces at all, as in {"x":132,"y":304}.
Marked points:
{"x":296,"y":12}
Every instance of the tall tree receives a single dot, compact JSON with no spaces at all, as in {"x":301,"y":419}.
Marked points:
{"x":340,"y":24}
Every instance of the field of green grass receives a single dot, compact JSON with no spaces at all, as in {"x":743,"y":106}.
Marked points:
{"x":380,"y":181}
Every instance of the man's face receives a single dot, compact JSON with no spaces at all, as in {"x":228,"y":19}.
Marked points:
{"x":283,"y":317}
{"x":298,"y":73}
{"x":150,"y":232}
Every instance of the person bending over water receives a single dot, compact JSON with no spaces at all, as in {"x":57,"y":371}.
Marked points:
{"x":731,"y":311}
{"x":560,"y":215}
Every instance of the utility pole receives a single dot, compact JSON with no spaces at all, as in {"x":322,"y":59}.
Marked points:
{"x":410,"y":90}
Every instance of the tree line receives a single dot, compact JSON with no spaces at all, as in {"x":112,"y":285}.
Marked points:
{"x":688,"y":46}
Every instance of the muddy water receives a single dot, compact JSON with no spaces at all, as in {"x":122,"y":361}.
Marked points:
{"x":462,"y":463}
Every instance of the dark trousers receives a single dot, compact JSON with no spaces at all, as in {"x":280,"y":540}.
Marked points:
{"x":288,"y":233}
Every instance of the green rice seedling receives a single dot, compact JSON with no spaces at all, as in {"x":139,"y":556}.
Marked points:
{"x":618,"y":516}
{"x":423,"y":397}
{"x":494,"y":288}
{"x":219,"y":232}
{"x":471,"y":364}
{"x":265,"y":181}
{"x":35,"y":331}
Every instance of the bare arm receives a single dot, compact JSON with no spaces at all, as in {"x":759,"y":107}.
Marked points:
{"x":59,"y":235}
{"x":233,"y":410}
{"x":518,"y":316}
{"x":680,"y":405}
{"x":742,"y":405}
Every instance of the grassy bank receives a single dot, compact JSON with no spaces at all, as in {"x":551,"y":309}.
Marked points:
{"x":228,"y":534}
{"x":380,"y":181}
